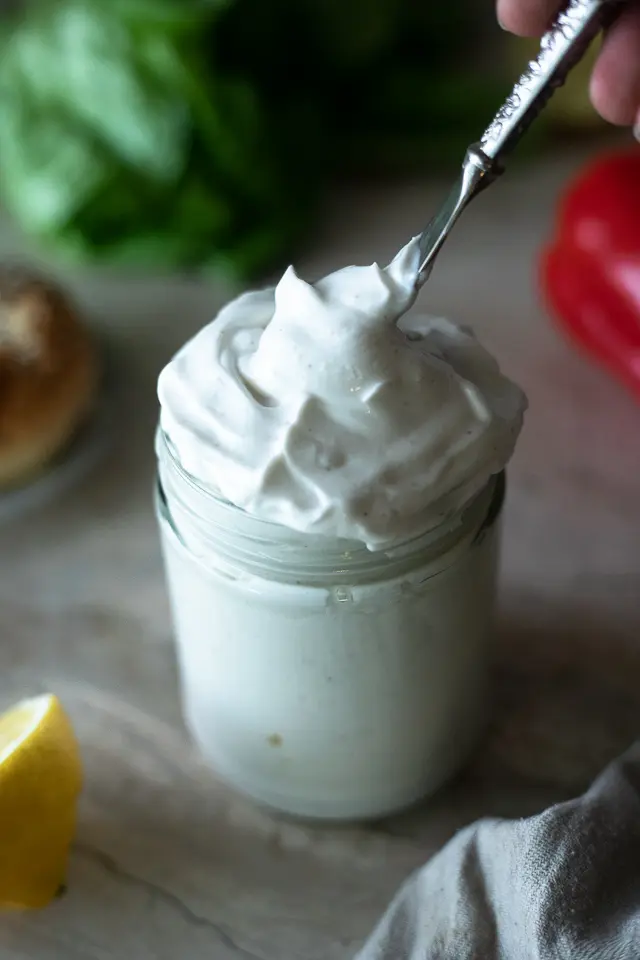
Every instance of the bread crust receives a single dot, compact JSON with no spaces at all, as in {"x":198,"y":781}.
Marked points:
{"x":48,"y":373}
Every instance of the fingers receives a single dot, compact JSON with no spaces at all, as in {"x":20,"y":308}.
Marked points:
{"x":615,"y":83}
{"x":526,"y":18}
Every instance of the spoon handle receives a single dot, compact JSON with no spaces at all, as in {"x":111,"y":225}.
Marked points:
{"x":561,"y":48}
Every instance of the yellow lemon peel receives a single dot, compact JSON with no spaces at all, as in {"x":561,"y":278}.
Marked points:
{"x":40,"y":779}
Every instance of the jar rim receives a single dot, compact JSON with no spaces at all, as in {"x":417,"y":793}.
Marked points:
{"x":252,"y":541}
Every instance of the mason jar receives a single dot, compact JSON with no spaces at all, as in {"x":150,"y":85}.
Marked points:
{"x":318,"y":677}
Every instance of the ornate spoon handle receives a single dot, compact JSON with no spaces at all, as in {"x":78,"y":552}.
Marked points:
{"x":560,"y":49}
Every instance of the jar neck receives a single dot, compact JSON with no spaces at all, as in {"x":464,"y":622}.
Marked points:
{"x":208,"y":525}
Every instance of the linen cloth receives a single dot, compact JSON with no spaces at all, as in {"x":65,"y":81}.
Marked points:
{"x":562,"y":885}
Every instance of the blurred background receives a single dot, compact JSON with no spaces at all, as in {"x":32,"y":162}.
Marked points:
{"x":203,"y":134}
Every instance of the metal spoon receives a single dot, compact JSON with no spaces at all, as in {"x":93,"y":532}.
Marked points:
{"x":560,"y":49}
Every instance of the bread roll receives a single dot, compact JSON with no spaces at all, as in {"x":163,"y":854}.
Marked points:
{"x":48,"y":373}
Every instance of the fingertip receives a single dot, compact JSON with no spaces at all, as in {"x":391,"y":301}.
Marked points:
{"x":607,"y":102}
{"x":525,"y":18}
{"x":615,"y":81}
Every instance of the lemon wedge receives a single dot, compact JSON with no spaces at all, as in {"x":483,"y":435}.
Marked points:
{"x":40,"y":779}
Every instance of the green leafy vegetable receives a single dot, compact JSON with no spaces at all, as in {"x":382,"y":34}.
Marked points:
{"x":185,"y":133}
{"x":119,"y":141}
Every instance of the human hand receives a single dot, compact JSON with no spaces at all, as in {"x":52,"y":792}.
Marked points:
{"x":615,"y":82}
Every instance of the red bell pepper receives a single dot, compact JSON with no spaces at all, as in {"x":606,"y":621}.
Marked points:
{"x":590,"y":272}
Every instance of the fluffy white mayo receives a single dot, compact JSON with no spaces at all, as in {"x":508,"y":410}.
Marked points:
{"x":329,"y":409}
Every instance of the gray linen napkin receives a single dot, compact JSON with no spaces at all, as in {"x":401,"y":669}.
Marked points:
{"x":563,"y":885}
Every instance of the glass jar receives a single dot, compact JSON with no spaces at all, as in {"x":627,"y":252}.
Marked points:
{"x":318,"y":677}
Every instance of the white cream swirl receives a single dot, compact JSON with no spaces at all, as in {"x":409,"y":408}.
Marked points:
{"x":321,"y":407}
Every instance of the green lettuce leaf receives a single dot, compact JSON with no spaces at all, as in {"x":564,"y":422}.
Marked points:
{"x":201,"y":133}
{"x":120,"y":141}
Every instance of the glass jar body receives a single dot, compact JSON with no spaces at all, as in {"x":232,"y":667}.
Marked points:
{"x":336,"y":685}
